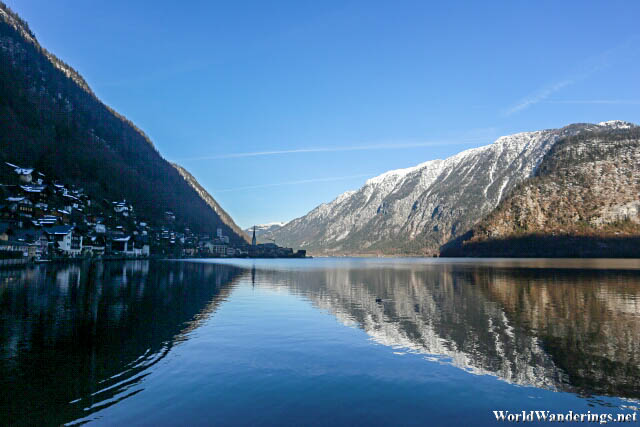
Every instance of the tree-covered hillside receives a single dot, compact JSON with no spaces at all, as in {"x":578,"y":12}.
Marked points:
{"x":52,"y":121}
{"x":583,"y":201}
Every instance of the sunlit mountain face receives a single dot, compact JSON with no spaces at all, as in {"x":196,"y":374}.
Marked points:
{"x":425,"y":209}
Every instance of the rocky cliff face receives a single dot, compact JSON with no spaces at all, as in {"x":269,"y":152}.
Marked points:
{"x":587,"y":186}
{"x":416,"y":210}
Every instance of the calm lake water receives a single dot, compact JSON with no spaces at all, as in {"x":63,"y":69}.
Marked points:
{"x":317,"y":341}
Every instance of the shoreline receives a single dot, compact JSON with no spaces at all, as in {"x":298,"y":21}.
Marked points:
{"x":19,"y":263}
{"x":24,"y":262}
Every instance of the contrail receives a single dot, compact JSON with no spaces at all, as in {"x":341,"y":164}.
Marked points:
{"x":597,"y":101}
{"x":336,"y":149}
{"x":302,"y":181}
{"x":538,"y":96}
{"x":594,"y":64}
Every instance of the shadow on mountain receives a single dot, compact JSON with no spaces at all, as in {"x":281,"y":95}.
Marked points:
{"x":540,"y":246}
{"x":50,"y":120}
{"x":76,"y":339}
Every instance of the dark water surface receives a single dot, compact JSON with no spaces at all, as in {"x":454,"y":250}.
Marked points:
{"x":322,"y":341}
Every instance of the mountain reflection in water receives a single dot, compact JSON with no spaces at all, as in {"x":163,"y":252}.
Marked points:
{"x":574,"y":330}
{"x":77,"y":339}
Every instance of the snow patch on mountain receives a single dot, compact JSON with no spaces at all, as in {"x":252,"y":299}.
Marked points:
{"x":617,"y":124}
{"x":419,"y":208}
{"x":397,"y":173}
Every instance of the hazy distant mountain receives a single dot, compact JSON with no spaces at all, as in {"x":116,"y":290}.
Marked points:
{"x":51,"y":120}
{"x":418,"y":209}
{"x":263,"y":229}
{"x":582,"y":201}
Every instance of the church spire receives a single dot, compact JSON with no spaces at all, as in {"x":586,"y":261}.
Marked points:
{"x":253,"y":240}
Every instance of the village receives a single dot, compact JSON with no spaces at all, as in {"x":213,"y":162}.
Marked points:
{"x":43,"y":220}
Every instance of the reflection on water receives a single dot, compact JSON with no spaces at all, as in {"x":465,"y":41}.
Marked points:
{"x":78,"y":339}
{"x":563,"y":329}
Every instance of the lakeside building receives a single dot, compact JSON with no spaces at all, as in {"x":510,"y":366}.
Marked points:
{"x":271,"y":250}
{"x":41,"y":218}
{"x":64,"y":239}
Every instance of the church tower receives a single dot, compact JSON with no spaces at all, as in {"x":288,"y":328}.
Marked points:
{"x":253,"y":240}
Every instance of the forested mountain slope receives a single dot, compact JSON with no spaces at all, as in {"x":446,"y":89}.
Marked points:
{"x":52,"y":121}
{"x":584,"y":200}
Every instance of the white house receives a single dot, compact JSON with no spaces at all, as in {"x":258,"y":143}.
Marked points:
{"x":64,"y":239}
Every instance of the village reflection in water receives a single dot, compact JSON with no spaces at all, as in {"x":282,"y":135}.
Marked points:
{"x":78,"y":338}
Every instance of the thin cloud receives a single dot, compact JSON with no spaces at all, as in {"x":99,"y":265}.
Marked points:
{"x":596,"y":101}
{"x":588,"y":68}
{"x":538,"y":96}
{"x":301,"y":181}
{"x":336,"y":149}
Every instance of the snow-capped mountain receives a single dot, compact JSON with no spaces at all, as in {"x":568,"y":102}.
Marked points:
{"x":582,"y":202}
{"x":418,"y":209}
{"x":263,"y":229}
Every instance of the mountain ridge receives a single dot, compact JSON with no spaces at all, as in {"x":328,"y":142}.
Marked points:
{"x":582,"y":201}
{"x":50,"y":119}
{"x":263,"y":229}
{"x":416,"y":210}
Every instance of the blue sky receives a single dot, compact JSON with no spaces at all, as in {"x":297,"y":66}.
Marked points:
{"x":276,"y":107}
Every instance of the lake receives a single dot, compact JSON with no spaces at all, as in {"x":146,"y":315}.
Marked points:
{"x":317,"y":341}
